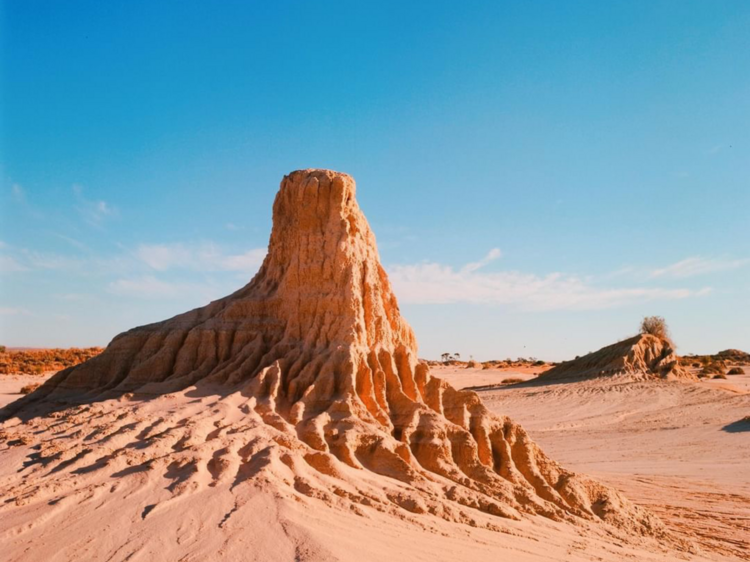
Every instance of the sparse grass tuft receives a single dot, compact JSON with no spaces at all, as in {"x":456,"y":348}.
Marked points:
{"x":512,"y":380}
{"x":29,"y":388}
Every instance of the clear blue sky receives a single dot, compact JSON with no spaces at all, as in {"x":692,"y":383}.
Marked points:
{"x":539,"y":175}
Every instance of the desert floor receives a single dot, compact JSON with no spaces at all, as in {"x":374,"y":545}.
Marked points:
{"x":10,"y":385}
{"x":677,"y":448}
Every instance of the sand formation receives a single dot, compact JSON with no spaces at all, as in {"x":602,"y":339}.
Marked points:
{"x":641,"y":357}
{"x":736,"y":356}
{"x":313,"y":386}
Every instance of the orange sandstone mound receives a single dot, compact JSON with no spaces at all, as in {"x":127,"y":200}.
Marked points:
{"x":306,"y":382}
{"x":641,"y":357}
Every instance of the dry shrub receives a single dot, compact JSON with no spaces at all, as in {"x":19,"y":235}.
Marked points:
{"x":715,"y":368}
{"x":512,"y":380}
{"x":720,"y":376}
{"x":29,"y":388}
{"x":656,"y":326}
{"x":37,"y":361}
{"x":736,"y":371}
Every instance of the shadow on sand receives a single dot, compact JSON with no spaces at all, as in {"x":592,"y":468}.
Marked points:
{"x":537,"y":382}
{"x":38,"y":404}
{"x":739,"y":426}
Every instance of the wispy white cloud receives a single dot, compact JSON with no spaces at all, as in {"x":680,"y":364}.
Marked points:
{"x":18,"y":194}
{"x":13,"y":311}
{"x":233,"y":227}
{"x":72,"y":241}
{"x":697,"y":265}
{"x":491,"y":256}
{"x":162,"y":257}
{"x":9,"y":264}
{"x":93,"y":211}
{"x":20,"y":198}
{"x":205,"y":257}
{"x":627,"y":270}
{"x":433,"y":283}
{"x":150,"y":287}
{"x":147,"y":286}
{"x":74,"y":297}
{"x":202,"y":257}
{"x":40,"y":260}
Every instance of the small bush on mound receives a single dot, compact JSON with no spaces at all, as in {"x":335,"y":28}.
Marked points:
{"x":512,"y":380}
{"x":656,"y":326}
{"x":29,"y":388}
{"x":736,"y":371}
{"x":720,"y":376}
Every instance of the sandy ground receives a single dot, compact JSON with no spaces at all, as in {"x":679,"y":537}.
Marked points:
{"x":676,"y":448}
{"x":11,"y":385}
{"x":673,"y":447}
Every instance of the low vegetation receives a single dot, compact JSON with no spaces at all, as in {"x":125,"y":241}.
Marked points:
{"x":29,"y":388}
{"x":714,"y":368}
{"x":520,"y":362}
{"x":726,"y":358}
{"x":656,"y":326}
{"x":736,"y":371}
{"x":512,"y":380}
{"x":454,"y":360}
{"x":39,"y":361}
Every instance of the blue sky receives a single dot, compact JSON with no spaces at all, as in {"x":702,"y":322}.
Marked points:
{"x":539,"y":175}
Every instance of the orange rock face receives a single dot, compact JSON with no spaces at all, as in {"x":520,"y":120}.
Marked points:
{"x":327,"y":372}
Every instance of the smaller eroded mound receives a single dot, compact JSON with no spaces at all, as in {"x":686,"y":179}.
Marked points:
{"x":735,"y":355}
{"x":642,"y":357}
